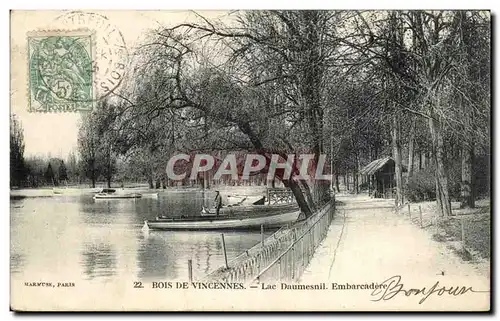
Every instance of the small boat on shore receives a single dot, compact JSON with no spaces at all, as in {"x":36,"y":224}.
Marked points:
{"x":250,"y":209}
{"x":100,"y":196}
{"x":221,"y":222}
{"x":150,"y":195}
{"x":109,"y":193}
{"x":236,"y":200}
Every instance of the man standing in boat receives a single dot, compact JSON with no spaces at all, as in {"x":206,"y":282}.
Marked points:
{"x":218,"y":202}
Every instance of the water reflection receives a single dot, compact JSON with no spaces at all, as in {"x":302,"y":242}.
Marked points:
{"x":98,"y":260}
{"x":153,"y":258}
{"x":99,"y":240}
{"x":204,"y":248}
{"x":16,"y":262}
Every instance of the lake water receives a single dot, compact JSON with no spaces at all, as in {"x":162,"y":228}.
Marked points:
{"x":78,"y":238}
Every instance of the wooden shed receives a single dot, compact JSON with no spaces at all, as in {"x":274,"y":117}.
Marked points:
{"x":381,"y":177}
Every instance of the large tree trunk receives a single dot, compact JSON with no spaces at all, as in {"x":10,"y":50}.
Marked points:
{"x":355,"y":174}
{"x":355,"y":181}
{"x":396,"y":153}
{"x":206,"y":180}
{"x":466,"y":185}
{"x":292,"y":184}
{"x":442,"y":194}
{"x":310,"y":88}
{"x":337,"y":182}
{"x":93,"y":174}
{"x":411,"y":148}
{"x":109,"y":174}
{"x":419,"y":159}
{"x":151,"y":180}
{"x":299,"y":197}
{"x":439,"y":198}
{"x":308,"y":196}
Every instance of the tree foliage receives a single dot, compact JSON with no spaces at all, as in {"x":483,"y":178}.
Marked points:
{"x":18,"y":168}
{"x":353,"y":85}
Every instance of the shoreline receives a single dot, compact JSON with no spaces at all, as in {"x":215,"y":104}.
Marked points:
{"x":41,"y":192}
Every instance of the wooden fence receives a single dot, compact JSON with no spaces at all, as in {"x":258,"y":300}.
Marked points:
{"x":283,"y":255}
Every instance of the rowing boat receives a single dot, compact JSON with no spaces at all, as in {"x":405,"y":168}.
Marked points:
{"x":151,"y":195}
{"x":221,"y":222}
{"x":236,"y":200}
{"x":108,"y":194}
{"x":250,"y":209}
{"x":100,"y":196}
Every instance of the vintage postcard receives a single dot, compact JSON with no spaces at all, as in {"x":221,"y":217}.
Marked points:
{"x":279,"y":160}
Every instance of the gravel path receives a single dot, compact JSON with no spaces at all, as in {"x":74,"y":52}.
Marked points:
{"x":368,"y":242}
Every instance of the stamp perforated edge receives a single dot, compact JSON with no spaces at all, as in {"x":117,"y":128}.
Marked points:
{"x":60,"y":32}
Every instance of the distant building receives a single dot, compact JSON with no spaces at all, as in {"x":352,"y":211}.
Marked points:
{"x":381,"y":177}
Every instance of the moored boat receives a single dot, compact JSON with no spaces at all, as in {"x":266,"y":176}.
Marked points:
{"x":224,"y":222}
{"x":250,"y":209}
{"x":116,"y":196}
{"x":150,"y":195}
{"x":109,"y":193}
{"x":237,"y":200}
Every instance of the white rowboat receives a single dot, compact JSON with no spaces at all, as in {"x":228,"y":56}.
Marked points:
{"x":151,"y":195}
{"x":223,"y":222}
{"x":103,"y":196}
{"x":109,"y":194}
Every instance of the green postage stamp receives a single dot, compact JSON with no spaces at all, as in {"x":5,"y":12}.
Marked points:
{"x":60,"y":71}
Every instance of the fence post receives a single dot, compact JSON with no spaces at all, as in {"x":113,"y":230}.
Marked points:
{"x":190,"y":270}
{"x":262,"y":235}
{"x":312,"y":231}
{"x":293,"y":257}
{"x":302,"y":252}
{"x":421,"y":219}
{"x":462,"y":227}
{"x":279,"y":270}
{"x":311,"y":238}
{"x":224,"y":249}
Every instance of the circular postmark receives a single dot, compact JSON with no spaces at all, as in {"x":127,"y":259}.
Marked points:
{"x":109,"y":54}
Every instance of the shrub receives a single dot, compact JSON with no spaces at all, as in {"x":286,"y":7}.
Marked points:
{"x":482,"y":175}
{"x":421,"y":186}
{"x":454,"y":179}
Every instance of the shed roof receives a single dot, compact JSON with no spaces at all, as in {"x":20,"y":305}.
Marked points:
{"x":375,"y":166}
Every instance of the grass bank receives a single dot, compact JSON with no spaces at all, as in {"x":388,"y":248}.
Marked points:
{"x":467,"y":231}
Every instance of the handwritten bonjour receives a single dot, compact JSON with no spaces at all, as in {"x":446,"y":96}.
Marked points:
{"x":394,"y":287}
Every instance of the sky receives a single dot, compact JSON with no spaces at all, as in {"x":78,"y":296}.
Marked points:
{"x":55,"y":134}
